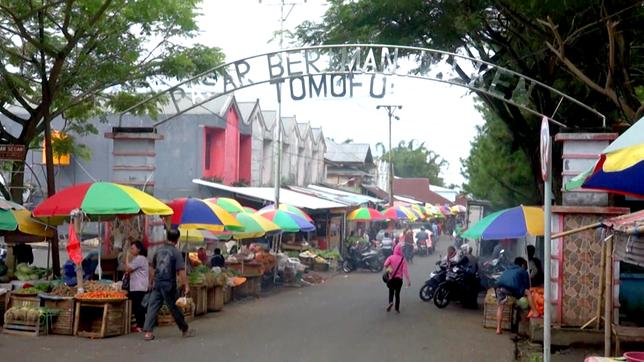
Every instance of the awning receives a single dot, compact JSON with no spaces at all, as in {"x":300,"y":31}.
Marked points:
{"x":268,"y":194}
{"x":628,"y":224}
{"x":363,"y":199}
{"x":335,"y":198}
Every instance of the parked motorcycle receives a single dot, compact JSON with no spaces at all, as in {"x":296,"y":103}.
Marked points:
{"x":459,"y":285}
{"x":365,"y":258}
{"x":435,"y":279}
{"x":492,"y":269}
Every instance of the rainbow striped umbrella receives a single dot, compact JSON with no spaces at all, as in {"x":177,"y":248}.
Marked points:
{"x":290,"y":208}
{"x":287,"y":221}
{"x":620,"y":168}
{"x":193,"y":213}
{"x":365,"y":214}
{"x":101,"y":199}
{"x":513,"y":223}
{"x":255,"y":226}
{"x":228,"y":204}
{"x":397,"y":213}
{"x":415,"y":214}
{"x":249,"y":210}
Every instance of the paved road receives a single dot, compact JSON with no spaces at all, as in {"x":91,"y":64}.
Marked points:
{"x":341,"y":320}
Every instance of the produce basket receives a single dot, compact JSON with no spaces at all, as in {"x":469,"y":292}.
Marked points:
{"x":249,"y":269}
{"x":64,"y":323}
{"x":164,"y":318}
{"x":215,"y":299}
{"x":489,"y":311}
{"x":100,"y":319}
{"x":228,"y":294}
{"x":21,"y":328}
{"x":20,"y":301}
{"x":251,"y":288}
{"x":199,"y":296}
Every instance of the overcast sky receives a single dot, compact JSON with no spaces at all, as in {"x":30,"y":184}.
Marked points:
{"x":441,"y":116}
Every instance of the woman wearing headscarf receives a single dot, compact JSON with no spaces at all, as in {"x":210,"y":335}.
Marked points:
{"x":397,"y":267}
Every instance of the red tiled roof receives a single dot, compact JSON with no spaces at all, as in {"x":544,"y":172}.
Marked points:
{"x":418,"y":188}
{"x":377,"y":192}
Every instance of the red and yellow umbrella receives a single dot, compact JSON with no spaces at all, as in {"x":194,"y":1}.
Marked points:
{"x":398,"y":213}
{"x":101,"y":199}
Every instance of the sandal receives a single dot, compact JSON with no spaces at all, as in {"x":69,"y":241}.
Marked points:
{"x":389,"y":307}
{"x":148,"y":337}
{"x":189,"y":333}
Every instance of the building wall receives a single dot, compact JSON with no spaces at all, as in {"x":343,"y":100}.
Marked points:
{"x":258,"y":150}
{"x":231,"y":149}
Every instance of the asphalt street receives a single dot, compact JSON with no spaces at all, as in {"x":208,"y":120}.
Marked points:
{"x":343,"y":319}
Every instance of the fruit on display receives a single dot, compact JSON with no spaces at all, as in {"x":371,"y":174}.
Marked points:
{"x":108,"y":295}
{"x":95,"y":286}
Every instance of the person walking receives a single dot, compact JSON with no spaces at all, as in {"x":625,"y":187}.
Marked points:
{"x":397,"y":267}
{"x":167,"y":264}
{"x":137,"y":270}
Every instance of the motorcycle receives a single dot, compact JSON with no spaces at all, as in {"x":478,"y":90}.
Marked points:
{"x":459,"y":285}
{"x":435,"y":279}
{"x":365,"y":258}
{"x":423,"y":249}
{"x":492,"y":269}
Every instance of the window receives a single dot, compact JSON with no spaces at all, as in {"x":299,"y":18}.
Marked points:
{"x":207,"y":150}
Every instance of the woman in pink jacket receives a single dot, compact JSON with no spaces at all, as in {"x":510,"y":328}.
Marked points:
{"x":397,"y":267}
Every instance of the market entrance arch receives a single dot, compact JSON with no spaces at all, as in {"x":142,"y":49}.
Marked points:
{"x":333,"y":70}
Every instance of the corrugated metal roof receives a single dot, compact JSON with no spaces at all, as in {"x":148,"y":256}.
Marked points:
{"x":246,"y":110}
{"x":354,"y":195}
{"x":348,"y":152}
{"x":268,"y":194}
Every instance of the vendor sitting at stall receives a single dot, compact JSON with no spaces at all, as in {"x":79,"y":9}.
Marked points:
{"x":514,"y":282}
{"x":217,"y":259}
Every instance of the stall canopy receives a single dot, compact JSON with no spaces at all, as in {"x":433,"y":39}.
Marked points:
{"x":268,"y":194}
{"x":629,"y":243}
{"x":342,"y":197}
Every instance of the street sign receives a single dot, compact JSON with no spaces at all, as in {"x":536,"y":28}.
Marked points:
{"x":13,"y":152}
{"x":545,"y":149}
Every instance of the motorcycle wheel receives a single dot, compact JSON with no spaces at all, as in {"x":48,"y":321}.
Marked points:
{"x":376,"y":267}
{"x":441,"y":297}
{"x":426,"y":293}
{"x":346,"y":267}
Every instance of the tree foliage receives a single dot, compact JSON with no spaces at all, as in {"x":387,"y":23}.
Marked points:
{"x":79,"y":59}
{"x":411,"y":160}
{"x":591,"y":50}
{"x":496,"y":171}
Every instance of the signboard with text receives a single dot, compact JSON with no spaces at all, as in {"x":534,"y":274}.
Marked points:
{"x":13,"y":152}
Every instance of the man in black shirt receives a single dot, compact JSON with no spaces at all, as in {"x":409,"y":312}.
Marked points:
{"x":166,"y":265}
{"x":217,"y":259}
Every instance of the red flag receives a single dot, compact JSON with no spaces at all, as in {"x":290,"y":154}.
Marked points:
{"x":74,"y":247}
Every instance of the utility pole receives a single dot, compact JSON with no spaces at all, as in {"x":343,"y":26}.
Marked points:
{"x":390,"y":112}
{"x":278,"y":147}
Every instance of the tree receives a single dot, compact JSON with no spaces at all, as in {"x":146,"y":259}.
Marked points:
{"x":496,"y":169}
{"x":591,"y":51}
{"x":79,"y":59}
{"x":415,"y":161}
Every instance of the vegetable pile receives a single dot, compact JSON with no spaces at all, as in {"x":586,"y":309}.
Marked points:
{"x":63,"y":290}
{"x":27,"y":314}
{"x":101,"y":295}
{"x":25,"y":272}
